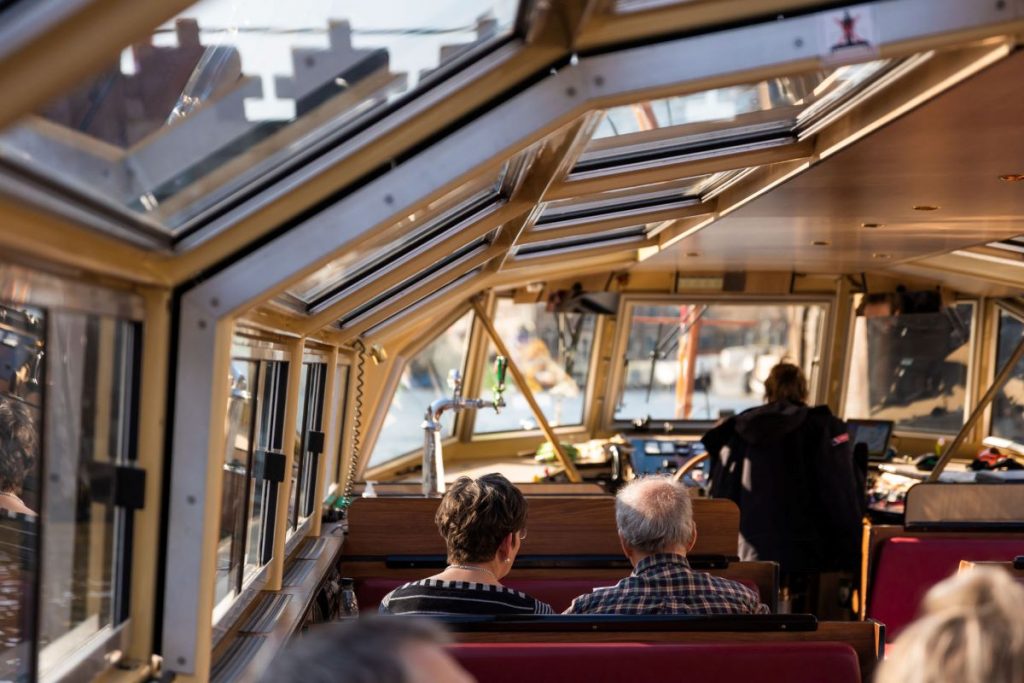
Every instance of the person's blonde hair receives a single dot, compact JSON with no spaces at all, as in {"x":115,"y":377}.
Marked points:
{"x":971,"y":630}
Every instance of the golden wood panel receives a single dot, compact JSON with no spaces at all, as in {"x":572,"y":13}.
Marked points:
{"x":559,"y":525}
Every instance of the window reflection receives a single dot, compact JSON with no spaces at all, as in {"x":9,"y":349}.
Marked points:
{"x":232,"y":89}
{"x":1008,"y":405}
{"x":253,"y":435}
{"x":698,"y":361}
{"x":269,"y":438}
{"x":22,"y":343}
{"x":89,"y":399}
{"x":912,"y":368}
{"x":334,"y":456}
{"x":237,"y":451}
{"x":424,"y":380}
{"x":308,"y":442}
{"x":794,"y":98}
{"x":552,"y":351}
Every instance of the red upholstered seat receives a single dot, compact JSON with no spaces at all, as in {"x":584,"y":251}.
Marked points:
{"x":907,"y":567}
{"x":661,"y":662}
{"x":558,"y":593}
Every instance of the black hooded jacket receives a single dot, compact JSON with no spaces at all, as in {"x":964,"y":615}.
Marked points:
{"x":790,"y":469}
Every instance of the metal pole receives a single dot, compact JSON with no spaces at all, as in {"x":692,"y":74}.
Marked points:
{"x":997,"y":384}
{"x":570,"y":468}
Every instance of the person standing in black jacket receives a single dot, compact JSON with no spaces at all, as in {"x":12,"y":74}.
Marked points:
{"x":789,"y":467}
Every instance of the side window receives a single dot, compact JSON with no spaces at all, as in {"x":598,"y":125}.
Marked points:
{"x":22,"y":382}
{"x":424,"y":379}
{"x":252,"y":457}
{"x":1008,"y":405}
{"x":91,"y":391}
{"x":701,"y":361}
{"x":264,"y":485}
{"x":333,"y":468}
{"x":552,"y":351}
{"x":310,"y":442}
{"x":237,"y":462}
{"x":911,"y":368}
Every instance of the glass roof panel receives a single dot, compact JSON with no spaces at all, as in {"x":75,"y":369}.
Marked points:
{"x":625,"y":6}
{"x":233,"y":89}
{"x":713,"y":117}
{"x":627,"y":198}
{"x":624,"y":236}
{"x":415,"y":232}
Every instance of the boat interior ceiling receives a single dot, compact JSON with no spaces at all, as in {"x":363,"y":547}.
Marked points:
{"x":323,"y":210}
{"x":861,"y":208}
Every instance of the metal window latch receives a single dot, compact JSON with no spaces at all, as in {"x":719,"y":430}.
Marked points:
{"x":315,"y":442}
{"x":118,"y":485}
{"x":270,"y":467}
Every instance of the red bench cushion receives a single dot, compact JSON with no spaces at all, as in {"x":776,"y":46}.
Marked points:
{"x":558,"y":593}
{"x":641,"y":662}
{"x":907,"y":567}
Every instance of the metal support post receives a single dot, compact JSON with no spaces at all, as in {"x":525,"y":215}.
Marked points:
{"x":563,"y":458}
{"x":979,"y":410}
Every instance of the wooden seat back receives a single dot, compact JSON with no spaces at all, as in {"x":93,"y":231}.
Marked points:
{"x":558,"y":525}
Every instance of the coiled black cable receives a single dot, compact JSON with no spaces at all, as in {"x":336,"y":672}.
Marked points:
{"x":357,"y":423}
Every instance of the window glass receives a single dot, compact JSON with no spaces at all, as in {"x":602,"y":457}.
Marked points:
{"x":233,"y":89}
{"x":293,"y":490}
{"x":263,"y":493}
{"x":792,"y":99}
{"x":89,"y":431}
{"x":21,"y":401}
{"x":424,"y":380}
{"x":695,"y":361}
{"x":1008,"y":405}
{"x":912,"y":369}
{"x":341,"y":405}
{"x":407,"y":237}
{"x":237,"y":453}
{"x":304,"y":465}
{"x":256,"y":399}
{"x":552,"y":350}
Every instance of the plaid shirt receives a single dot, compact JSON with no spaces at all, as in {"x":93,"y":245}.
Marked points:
{"x":665,"y":584}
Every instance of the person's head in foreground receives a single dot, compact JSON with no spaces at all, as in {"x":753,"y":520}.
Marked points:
{"x":971,"y":630}
{"x":786,"y":382}
{"x":369,"y":650}
{"x":483,"y":522}
{"x":654,"y":516}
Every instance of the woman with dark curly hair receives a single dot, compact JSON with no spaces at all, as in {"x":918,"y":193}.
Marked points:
{"x":483,"y":523}
{"x":18,"y":453}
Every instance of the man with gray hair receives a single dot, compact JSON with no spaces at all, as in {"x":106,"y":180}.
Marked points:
{"x":656,"y":530}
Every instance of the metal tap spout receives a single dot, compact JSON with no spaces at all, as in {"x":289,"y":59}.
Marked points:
{"x":433,"y":463}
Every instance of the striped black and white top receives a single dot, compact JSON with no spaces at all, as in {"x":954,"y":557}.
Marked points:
{"x":436,"y":597}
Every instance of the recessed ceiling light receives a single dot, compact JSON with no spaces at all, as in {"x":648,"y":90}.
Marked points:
{"x":820,"y":243}
{"x":926,"y":207}
{"x":872,"y":225}
{"x":880,"y":255}
{"x":1012,"y":177}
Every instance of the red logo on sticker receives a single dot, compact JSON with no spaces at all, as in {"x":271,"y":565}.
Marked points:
{"x":841,"y":439}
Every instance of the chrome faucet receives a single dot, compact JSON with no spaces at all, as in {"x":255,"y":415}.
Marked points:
{"x":433,"y":461}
